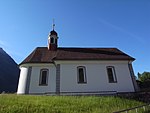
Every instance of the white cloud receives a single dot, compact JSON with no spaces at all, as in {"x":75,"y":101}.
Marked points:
{"x":9,"y":50}
{"x":3,"y":43}
{"x":139,"y":39}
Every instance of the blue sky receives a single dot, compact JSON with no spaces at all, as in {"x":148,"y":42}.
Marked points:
{"x":125,"y":24}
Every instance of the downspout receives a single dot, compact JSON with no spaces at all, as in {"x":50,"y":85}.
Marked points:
{"x":57,"y":66}
{"x":53,"y":62}
{"x":136,"y":88}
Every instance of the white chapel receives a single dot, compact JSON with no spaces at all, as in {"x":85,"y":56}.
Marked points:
{"x":69,"y":70}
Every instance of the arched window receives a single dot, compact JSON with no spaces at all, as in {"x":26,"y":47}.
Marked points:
{"x":111,"y":74}
{"x":81,"y":74}
{"x":43,"y":77}
{"x":52,"y":40}
{"x":55,"y":41}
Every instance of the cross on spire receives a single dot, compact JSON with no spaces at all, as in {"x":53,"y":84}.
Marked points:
{"x":53,"y":25}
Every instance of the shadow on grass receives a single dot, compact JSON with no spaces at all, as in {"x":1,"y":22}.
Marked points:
{"x":139,"y":96}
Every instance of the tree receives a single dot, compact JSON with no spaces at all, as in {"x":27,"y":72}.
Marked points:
{"x":144,"y":77}
{"x":144,"y":80}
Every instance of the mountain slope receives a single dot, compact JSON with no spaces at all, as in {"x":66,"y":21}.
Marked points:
{"x":9,"y":73}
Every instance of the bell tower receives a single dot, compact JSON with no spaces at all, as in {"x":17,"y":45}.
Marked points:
{"x":52,"y":39}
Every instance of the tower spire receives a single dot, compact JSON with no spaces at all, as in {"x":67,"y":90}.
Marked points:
{"x":52,"y":39}
{"x":53,"y":24}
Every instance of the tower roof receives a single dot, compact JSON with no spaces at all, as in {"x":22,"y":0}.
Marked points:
{"x":53,"y":32}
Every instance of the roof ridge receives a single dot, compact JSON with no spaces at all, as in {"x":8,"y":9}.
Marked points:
{"x":83,"y":47}
{"x":88,"y":47}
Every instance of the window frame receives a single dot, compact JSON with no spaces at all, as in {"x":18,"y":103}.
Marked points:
{"x":40,"y":80}
{"x":84,"y":74}
{"x":114,"y":74}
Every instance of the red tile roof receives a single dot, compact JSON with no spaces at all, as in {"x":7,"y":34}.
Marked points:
{"x":43,"y":55}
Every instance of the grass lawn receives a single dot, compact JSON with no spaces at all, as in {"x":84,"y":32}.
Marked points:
{"x":63,"y":104}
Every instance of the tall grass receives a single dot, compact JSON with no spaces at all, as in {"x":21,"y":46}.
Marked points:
{"x":63,"y":104}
